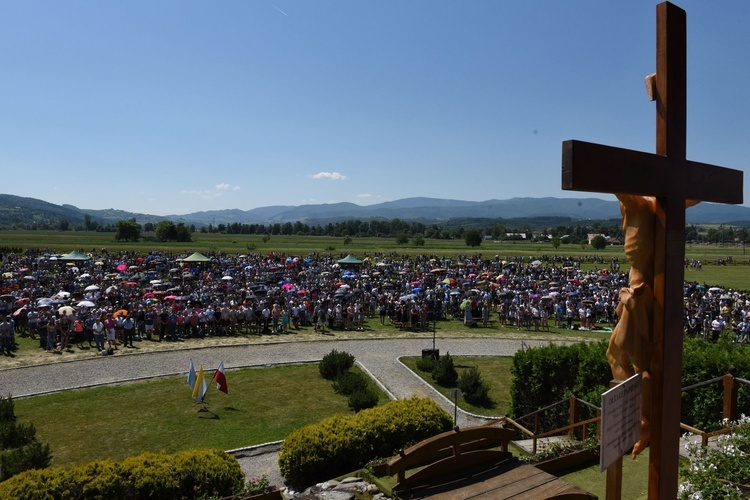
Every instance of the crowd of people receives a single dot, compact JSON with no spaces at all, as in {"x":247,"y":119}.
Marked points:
{"x":109,"y":301}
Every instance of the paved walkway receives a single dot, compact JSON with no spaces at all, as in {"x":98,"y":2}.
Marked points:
{"x":378,"y":357}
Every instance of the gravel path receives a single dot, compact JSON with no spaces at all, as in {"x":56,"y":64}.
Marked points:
{"x":378,"y":357}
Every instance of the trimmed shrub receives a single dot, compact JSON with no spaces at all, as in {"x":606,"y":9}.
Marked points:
{"x":703,"y":407}
{"x":363,"y":398}
{"x":546,"y":375}
{"x":186,"y":474}
{"x":474,"y":389}
{"x":445,"y":373}
{"x":340,"y":444}
{"x":348,"y":383}
{"x":335,"y":363}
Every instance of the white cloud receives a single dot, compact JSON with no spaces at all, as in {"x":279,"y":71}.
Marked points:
{"x":222,"y":186}
{"x":331,"y":176}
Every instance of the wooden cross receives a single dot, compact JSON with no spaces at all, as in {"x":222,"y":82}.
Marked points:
{"x":672,"y":179}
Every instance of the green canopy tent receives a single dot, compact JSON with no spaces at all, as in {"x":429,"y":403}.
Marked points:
{"x":349,"y":260}
{"x":196,"y":257}
{"x":74,"y":256}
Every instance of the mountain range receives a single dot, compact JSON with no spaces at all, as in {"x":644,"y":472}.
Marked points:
{"x":16,"y":210}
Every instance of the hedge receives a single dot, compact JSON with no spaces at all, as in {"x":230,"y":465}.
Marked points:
{"x":185,"y":474}
{"x":340,"y":444}
{"x":545,"y":375}
{"x":701,"y":361}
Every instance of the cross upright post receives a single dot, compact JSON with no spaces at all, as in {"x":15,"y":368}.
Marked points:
{"x":672,"y":182}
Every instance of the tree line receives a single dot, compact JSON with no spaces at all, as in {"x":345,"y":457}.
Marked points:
{"x":575,"y":232}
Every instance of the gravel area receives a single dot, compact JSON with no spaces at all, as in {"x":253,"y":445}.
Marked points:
{"x":378,"y":357}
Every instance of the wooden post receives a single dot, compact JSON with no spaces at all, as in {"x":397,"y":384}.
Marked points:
{"x":573,"y":403}
{"x":672,"y":180}
{"x":730,"y":397}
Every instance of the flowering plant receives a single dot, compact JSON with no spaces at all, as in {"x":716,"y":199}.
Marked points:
{"x":258,"y":485}
{"x":556,"y":449}
{"x":712,"y":470}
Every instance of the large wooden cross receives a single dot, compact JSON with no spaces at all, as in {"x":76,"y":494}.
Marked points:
{"x":672,"y":179}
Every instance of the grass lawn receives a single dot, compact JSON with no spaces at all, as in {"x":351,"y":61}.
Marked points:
{"x":495,"y":372}
{"x":117,"y":421}
{"x":634,"y":478}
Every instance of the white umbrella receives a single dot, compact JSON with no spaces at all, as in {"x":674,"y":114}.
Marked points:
{"x":66,"y":310}
{"x":62,"y":294}
{"x":91,"y":288}
{"x":227,"y":278}
{"x":85,"y":303}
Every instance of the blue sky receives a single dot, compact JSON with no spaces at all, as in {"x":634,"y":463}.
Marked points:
{"x":172,"y":107}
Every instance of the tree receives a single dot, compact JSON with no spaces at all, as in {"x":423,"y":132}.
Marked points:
{"x":599,"y":242}
{"x":418,"y":241}
{"x":555,"y":242}
{"x":127,"y":231}
{"x":166,"y":230}
{"x":473,"y":238}
{"x":402,"y":239}
{"x":182,"y":233}
{"x":348,"y":240}
{"x":19,"y":448}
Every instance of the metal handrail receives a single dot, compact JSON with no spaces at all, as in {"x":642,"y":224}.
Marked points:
{"x":702,"y":384}
{"x":562,"y":401}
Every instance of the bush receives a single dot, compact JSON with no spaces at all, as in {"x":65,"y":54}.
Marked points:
{"x":363,"y":398}
{"x":348,"y":383}
{"x":30,"y":456}
{"x":702,"y":407}
{"x":341,"y":444}
{"x":19,"y":448}
{"x":426,"y":365}
{"x":445,"y":373}
{"x":186,"y":474}
{"x":335,"y":363}
{"x":545,"y":375}
{"x":474,"y":389}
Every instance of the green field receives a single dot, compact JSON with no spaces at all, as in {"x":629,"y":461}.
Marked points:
{"x":126,"y":419}
{"x":495,"y":372}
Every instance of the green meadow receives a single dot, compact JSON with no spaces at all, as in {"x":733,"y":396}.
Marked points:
{"x":121,"y":420}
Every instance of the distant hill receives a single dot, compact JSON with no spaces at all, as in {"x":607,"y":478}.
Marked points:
{"x":18,"y":210}
{"x":435,"y":209}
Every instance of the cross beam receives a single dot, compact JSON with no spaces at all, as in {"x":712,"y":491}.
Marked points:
{"x":644,"y":174}
{"x":672,"y":180}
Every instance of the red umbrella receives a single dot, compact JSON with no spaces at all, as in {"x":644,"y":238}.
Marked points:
{"x":121,"y":267}
{"x":148,"y":295}
{"x":170,"y":297}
